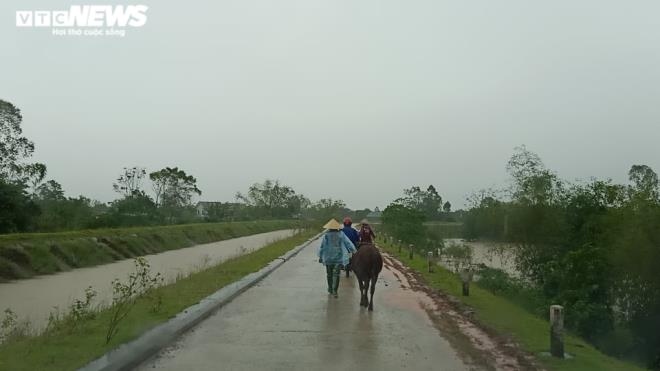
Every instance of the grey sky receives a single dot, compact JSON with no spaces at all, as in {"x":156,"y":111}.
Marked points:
{"x":350,"y":99}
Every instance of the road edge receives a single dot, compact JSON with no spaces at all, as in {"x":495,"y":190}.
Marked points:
{"x":129,"y":355}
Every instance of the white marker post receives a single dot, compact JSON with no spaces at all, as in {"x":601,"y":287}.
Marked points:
{"x":557,"y":331}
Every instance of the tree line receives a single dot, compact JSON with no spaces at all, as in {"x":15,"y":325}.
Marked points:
{"x":592,"y":246}
{"x":404,"y":217}
{"x":30,"y":202}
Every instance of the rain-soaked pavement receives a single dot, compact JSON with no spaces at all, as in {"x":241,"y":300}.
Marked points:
{"x":289,"y":322}
{"x":33,"y":299}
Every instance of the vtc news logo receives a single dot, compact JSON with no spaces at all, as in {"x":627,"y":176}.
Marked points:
{"x":85,"y":16}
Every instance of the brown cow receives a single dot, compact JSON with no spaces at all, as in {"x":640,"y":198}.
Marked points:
{"x":367,"y":264}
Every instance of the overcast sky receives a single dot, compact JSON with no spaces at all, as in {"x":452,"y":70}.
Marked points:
{"x":349,"y":99}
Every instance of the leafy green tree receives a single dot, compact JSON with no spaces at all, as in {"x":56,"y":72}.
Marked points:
{"x":413,"y":198}
{"x":272,"y":199}
{"x":645,"y":183}
{"x":136,"y":209}
{"x":486,"y":219}
{"x":137,"y":204}
{"x":59,"y":213}
{"x":50,"y":190}
{"x":14,"y":147}
{"x":532,"y":182}
{"x":64,"y":214}
{"x":404,"y":223}
{"x":130,"y":181}
{"x":446,"y":207}
{"x":18,"y":212}
{"x":631,"y":230}
{"x":173,"y":187}
{"x":326,"y":208}
{"x":428,"y":202}
{"x":432,"y":202}
{"x":33,"y":175}
{"x":174,"y":191}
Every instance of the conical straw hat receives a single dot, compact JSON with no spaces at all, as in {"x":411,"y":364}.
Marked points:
{"x":332,"y":224}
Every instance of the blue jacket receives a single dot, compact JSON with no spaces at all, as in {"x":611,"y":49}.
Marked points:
{"x":335,"y":248}
{"x":352,"y":234}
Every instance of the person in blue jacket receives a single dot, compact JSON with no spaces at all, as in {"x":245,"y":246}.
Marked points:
{"x":334,"y":253}
{"x":352,"y":235}
{"x":350,"y":232}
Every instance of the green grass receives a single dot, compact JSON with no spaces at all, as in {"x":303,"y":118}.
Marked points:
{"x":508,"y":319}
{"x":29,"y":254}
{"x":71,"y":347}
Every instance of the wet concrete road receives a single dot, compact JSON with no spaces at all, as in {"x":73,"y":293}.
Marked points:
{"x":289,"y":322}
{"x":33,"y":299}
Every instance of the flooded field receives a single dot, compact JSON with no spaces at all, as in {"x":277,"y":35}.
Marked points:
{"x":493,"y":254}
{"x":33,"y":299}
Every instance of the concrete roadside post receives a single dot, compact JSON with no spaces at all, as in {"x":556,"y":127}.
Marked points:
{"x":410,"y":251}
{"x":429,"y":257}
{"x":399,"y":246}
{"x":557,"y":331}
{"x":466,"y":277}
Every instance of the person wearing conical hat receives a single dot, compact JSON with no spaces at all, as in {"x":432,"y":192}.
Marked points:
{"x":334,"y":253}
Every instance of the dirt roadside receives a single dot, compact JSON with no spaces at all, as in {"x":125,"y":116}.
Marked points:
{"x":476,"y":343}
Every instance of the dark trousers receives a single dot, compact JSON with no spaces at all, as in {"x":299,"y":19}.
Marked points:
{"x":332,"y":273}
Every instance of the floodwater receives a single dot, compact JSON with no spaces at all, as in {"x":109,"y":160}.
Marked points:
{"x":493,"y":254}
{"x":33,"y":299}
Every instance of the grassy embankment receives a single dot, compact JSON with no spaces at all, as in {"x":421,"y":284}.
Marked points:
{"x":29,"y":254}
{"x":508,"y":319}
{"x":73,"y":344}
